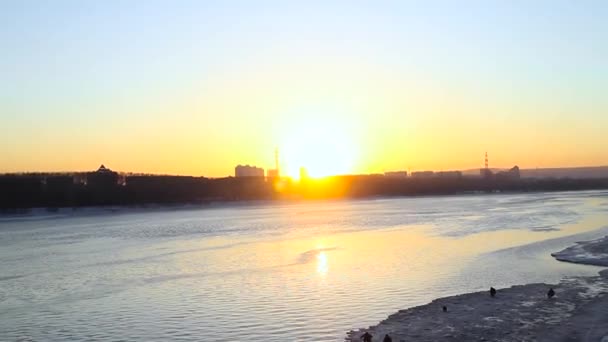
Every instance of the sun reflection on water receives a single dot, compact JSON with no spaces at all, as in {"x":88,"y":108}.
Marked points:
{"x":322,"y":265}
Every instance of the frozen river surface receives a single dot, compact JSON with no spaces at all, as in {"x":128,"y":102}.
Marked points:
{"x":275,"y":272}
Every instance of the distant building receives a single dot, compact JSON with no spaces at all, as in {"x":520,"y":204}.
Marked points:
{"x":396,"y":174}
{"x":423,"y":174}
{"x":486,"y":173}
{"x":512,"y":173}
{"x":101,"y":178}
{"x":515,"y":172}
{"x":272,"y":174}
{"x":449,"y":174}
{"x":248,"y":171}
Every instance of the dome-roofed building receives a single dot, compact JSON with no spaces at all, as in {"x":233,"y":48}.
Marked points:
{"x":102,"y":177}
{"x":103,"y":168}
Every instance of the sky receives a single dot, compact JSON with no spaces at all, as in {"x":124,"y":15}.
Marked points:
{"x":197,"y":87}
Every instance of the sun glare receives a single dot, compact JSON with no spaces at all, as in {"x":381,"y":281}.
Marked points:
{"x":323,"y":148}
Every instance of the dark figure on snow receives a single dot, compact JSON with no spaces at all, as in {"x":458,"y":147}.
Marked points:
{"x":445,"y":308}
{"x":367,"y":337}
{"x":492,"y":291}
{"x":550,"y":293}
{"x":387,"y":338}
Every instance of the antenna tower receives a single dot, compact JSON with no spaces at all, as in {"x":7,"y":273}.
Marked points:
{"x":486,"y":160}
{"x":276,"y":160}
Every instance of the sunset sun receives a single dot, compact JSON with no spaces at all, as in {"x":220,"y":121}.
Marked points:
{"x":323,"y":148}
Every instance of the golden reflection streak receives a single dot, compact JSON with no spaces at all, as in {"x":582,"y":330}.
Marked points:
{"x":322,"y":265}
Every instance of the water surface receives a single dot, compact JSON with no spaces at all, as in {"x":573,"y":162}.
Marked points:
{"x":275,"y":272}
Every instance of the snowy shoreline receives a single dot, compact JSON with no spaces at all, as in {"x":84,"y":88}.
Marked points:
{"x":518,"y":313}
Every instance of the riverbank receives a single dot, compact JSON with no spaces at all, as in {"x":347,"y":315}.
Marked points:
{"x":518,"y":313}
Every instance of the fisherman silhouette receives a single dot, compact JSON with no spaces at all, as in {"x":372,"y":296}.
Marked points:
{"x":550,"y":293}
{"x":387,"y":338}
{"x":445,"y":308}
{"x":366,"y":337}
{"x":492,"y":291}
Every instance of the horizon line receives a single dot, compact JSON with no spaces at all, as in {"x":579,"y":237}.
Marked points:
{"x":139,"y":173}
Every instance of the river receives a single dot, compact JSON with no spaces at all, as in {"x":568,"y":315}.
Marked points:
{"x":307,"y":271}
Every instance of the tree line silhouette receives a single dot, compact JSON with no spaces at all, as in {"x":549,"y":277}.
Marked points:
{"x":111,"y":189}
